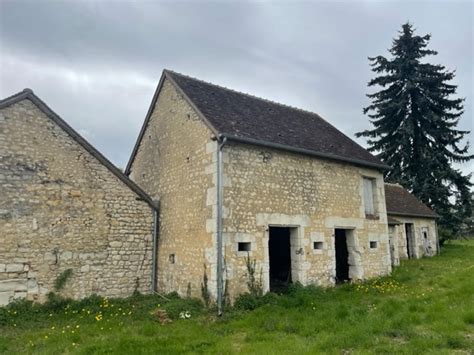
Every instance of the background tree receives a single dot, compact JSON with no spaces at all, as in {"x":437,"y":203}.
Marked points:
{"x":415,"y":118}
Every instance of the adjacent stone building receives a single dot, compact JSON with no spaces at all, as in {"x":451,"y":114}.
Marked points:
{"x":411,"y":225}
{"x":63,"y":205}
{"x":241,"y":177}
{"x":245,"y":185}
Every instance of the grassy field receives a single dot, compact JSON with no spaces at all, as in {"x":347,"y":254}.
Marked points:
{"x":426,"y":306}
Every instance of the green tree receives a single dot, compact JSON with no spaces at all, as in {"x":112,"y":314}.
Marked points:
{"x":415,"y":118}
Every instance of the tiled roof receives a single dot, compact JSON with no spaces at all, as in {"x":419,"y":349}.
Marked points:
{"x":249,"y":119}
{"x":27,"y":94}
{"x":402,"y":203}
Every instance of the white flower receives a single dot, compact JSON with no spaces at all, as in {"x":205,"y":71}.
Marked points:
{"x":185,"y":315}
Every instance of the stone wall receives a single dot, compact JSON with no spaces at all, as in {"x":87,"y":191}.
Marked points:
{"x":176,"y":161}
{"x":61,"y":208}
{"x":265,"y":187}
{"x":394,"y":239}
{"x":422,"y":246}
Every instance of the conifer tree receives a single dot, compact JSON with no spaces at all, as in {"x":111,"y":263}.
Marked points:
{"x":415,"y":118}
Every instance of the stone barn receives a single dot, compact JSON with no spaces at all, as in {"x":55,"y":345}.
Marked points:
{"x":63,"y":206}
{"x":411,"y":225}
{"x":245,"y":185}
{"x":240,"y":177}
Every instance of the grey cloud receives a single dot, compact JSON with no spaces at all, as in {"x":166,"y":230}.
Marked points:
{"x":97,"y":63}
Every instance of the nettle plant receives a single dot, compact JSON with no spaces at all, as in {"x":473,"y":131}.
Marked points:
{"x":254,"y":282}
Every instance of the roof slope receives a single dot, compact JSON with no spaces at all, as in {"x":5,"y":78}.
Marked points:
{"x":249,"y":119}
{"x":400,"y":202}
{"x":29,"y":95}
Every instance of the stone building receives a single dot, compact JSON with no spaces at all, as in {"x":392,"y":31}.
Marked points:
{"x":243,"y":183}
{"x":411,"y":225}
{"x":241,"y":177}
{"x":63,"y":205}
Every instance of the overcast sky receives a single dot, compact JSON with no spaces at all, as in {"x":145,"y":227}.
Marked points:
{"x":97,"y":64}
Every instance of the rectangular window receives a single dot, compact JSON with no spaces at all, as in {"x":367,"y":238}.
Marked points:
{"x":317,"y":245}
{"x":369,"y":200}
{"x":244,"y":246}
{"x":373,"y":245}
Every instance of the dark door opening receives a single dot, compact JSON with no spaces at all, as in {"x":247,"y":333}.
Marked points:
{"x":280,"y":258}
{"x":409,"y":235}
{"x":342,"y":256}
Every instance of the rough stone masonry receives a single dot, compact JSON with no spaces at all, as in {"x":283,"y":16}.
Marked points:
{"x":176,"y":158}
{"x":61,"y":208}
{"x":294,"y":197}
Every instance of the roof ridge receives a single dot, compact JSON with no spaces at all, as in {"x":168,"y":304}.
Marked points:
{"x":246,"y":94}
{"x":14,"y":96}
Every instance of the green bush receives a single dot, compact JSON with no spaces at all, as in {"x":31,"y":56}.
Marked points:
{"x":249,"y":302}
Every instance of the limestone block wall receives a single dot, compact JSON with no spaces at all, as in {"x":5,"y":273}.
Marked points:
{"x":176,"y":161}
{"x":393,"y":236}
{"x":423,"y":247}
{"x":265,"y":187}
{"x":60,"y":208}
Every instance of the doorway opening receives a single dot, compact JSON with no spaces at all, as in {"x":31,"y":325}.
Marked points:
{"x":280,"y":258}
{"x":342,"y":256}
{"x":410,"y":241}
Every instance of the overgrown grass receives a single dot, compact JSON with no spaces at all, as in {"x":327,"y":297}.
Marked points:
{"x":425,"y":306}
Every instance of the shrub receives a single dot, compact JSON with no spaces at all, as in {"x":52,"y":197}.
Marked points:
{"x":249,"y":302}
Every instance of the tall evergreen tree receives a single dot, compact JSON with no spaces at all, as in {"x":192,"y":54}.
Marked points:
{"x":415,"y":131}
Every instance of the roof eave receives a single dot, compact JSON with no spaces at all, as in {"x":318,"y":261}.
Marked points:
{"x":403,"y":214}
{"x":303,"y":151}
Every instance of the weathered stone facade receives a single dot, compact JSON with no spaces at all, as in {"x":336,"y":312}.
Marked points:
{"x":177,"y":160}
{"x":64,"y":206}
{"x":267,"y":187}
{"x":423,"y":240}
{"x":60,"y":208}
{"x":175,"y":163}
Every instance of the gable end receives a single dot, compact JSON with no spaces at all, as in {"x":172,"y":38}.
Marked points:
{"x":27,"y":94}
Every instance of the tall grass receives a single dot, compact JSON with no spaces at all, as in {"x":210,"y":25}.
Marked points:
{"x":425,"y":306}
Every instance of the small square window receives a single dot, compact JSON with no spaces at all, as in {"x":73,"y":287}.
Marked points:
{"x":373,"y":245}
{"x":317,"y":245}
{"x":244,"y":246}
{"x":171,"y":258}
